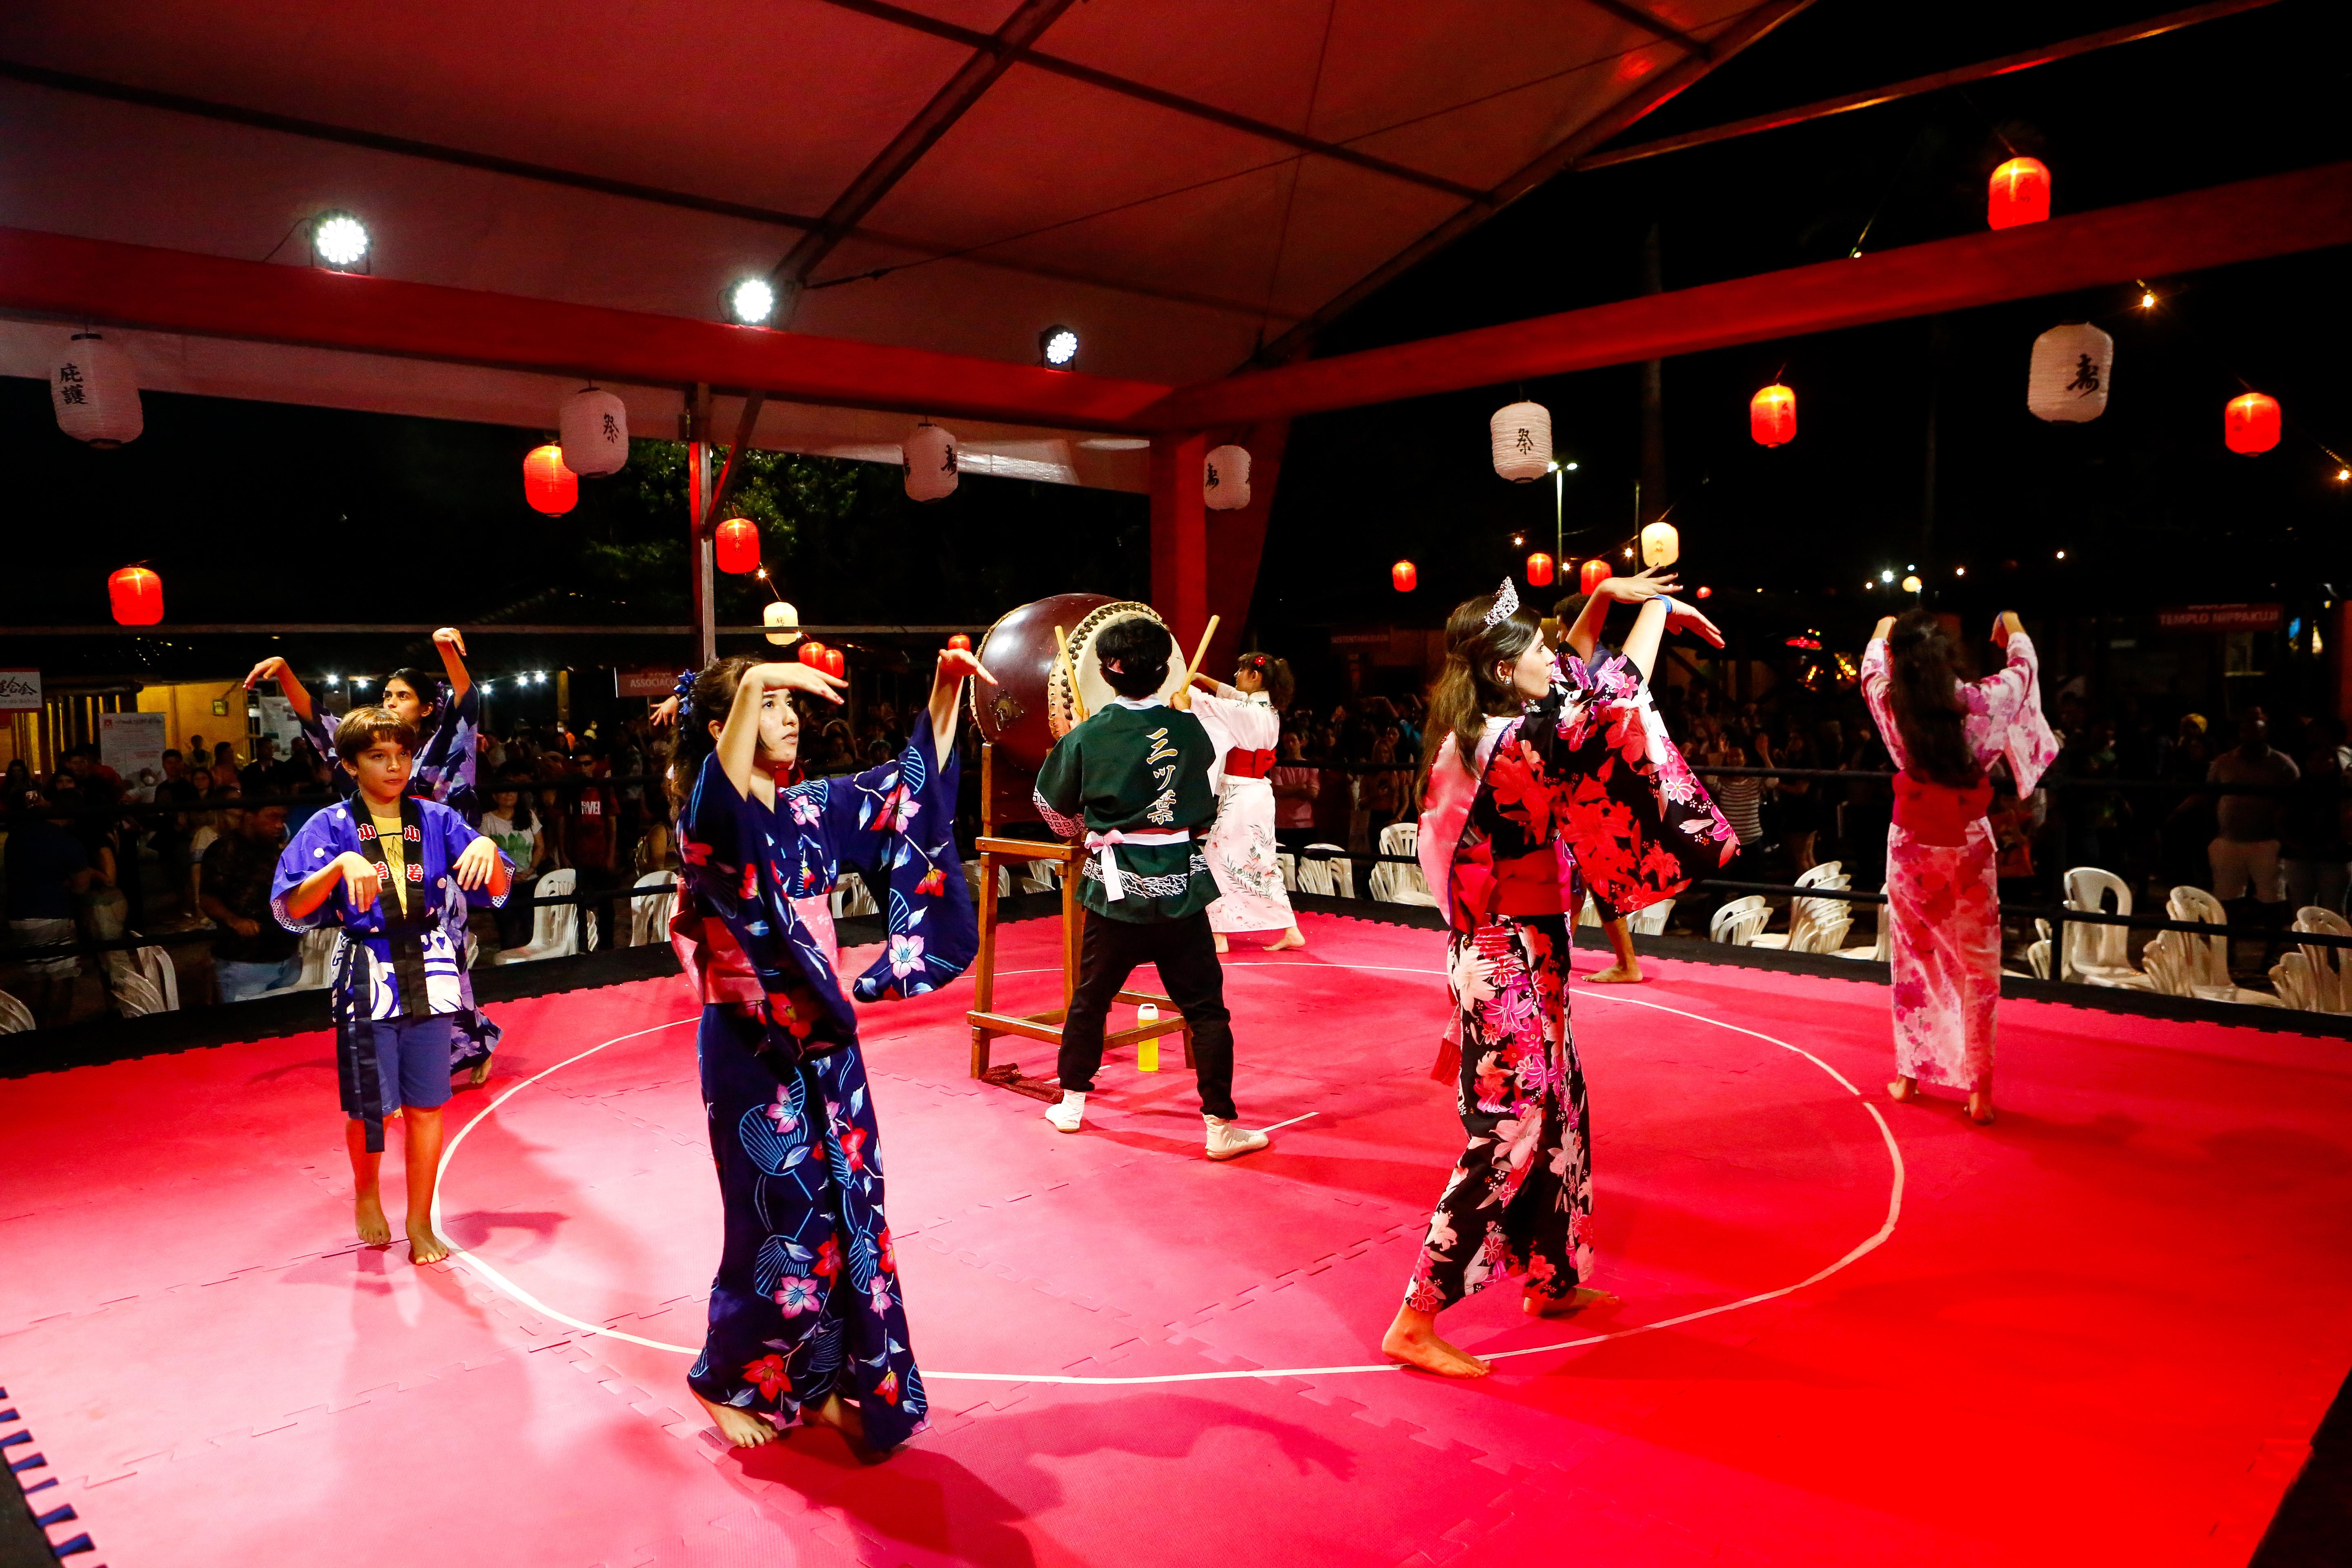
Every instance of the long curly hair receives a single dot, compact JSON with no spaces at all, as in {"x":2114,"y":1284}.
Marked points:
{"x":1466,"y":691}
{"x":1926,"y":668}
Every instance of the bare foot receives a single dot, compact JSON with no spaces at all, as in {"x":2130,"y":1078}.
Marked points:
{"x":424,"y":1247}
{"x":1576,"y":1300}
{"x":1294,"y":937}
{"x":1616,"y":974}
{"x":480,"y":1075}
{"x":1220,"y":942}
{"x":740,"y":1427}
{"x":1980,"y":1108}
{"x":1902,"y":1088}
{"x":1417,"y":1344}
{"x":374,"y":1230}
{"x":841,"y":1415}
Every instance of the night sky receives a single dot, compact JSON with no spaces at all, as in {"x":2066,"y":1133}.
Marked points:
{"x":238,"y":503}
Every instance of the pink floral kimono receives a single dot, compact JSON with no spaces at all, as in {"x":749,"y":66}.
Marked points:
{"x":1942,"y":891}
{"x":1585,"y":782}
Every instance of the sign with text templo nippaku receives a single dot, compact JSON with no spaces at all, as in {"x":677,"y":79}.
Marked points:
{"x":20,"y":691}
{"x":2222,"y":618}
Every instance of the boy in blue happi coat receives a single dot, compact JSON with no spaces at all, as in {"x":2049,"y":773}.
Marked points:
{"x":381,"y":865}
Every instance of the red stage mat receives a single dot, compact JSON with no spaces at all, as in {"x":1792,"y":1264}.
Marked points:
{"x":1848,"y":1330}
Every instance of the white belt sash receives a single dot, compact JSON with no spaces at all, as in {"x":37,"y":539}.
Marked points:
{"x":1103,"y":845}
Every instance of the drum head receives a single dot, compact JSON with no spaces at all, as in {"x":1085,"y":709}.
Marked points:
{"x":1093,"y":688}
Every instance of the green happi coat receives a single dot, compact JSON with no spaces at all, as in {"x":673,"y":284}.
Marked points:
{"x":1134,"y":768}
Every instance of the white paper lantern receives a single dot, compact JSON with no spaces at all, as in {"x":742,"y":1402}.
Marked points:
{"x":1522,"y":436}
{"x":96,"y":393}
{"x":1225,"y":479}
{"x":929,"y":454}
{"x":596,"y":426}
{"x":1660,"y":545}
{"x":785,"y":619}
{"x":2071,"y":367}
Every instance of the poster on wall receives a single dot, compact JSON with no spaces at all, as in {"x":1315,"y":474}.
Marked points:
{"x":132,"y":744}
{"x":277,"y":722}
{"x":20,"y":691}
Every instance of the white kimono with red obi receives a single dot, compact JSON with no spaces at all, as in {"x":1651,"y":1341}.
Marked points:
{"x":1942,"y":890}
{"x":1245,"y":728}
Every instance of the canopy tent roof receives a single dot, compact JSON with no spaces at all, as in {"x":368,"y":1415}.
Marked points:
{"x":1182,"y":181}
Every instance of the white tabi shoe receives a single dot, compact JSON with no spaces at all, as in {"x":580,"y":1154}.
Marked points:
{"x":1228,"y":1139}
{"x":1072,"y":1110}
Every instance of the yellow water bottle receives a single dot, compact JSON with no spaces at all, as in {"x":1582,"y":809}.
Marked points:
{"x":1147,"y":1051}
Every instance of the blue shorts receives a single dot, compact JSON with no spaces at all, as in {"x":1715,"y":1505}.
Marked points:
{"x":411,"y":1062}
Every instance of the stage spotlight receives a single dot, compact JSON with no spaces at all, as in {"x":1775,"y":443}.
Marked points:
{"x":1056,"y":347}
{"x":339,"y":242}
{"x":752,"y":301}
{"x":1887,"y":575}
{"x":2147,"y":300}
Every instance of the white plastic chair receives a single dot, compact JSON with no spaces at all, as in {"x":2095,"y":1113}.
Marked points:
{"x":1737,"y":922}
{"x":2296,"y":983}
{"x":1392,"y":881}
{"x":1289,"y":864}
{"x":2100,"y":955}
{"x":15,"y":1018}
{"x":554,"y":928}
{"x":2327,"y":964}
{"x":649,"y":917}
{"x":852,"y":896}
{"x":1334,"y":877}
{"x":1882,"y":949}
{"x":134,"y":995}
{"x":1815,"y":925}
{"x":1651,"y":921}
{"x":2200,"y":963}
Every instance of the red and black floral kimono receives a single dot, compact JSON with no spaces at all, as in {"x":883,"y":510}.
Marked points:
{"x":1585,"y":784}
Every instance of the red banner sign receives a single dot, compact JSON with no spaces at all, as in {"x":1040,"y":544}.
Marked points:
{"x":2222,"y":618}
{"x":649,"y":683}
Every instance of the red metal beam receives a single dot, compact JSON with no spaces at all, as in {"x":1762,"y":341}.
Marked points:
{"x":1821,"y":108}
{"x":178,"y":291}
{"x":2307,"y":210}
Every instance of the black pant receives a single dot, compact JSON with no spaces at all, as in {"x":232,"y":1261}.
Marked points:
{"x":1186,"y":954}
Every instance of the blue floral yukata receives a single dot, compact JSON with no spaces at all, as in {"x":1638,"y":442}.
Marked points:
{"x":392,"y":961}
{"x":806,"y":1302}
{"x":443,"y":770}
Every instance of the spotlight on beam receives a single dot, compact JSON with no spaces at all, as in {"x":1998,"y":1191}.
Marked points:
{"x":339,"y":242}
{"x":752,"y":301}
{"x":1056,"y":347}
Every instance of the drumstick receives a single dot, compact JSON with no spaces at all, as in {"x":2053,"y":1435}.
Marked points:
{"x":1069,"y":676}
{"x":1200,"y":653}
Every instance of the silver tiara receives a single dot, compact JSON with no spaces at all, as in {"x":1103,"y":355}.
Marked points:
{"x":1506,"y":605}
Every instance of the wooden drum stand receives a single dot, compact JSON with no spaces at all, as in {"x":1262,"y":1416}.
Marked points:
{"x":1014,"y":806}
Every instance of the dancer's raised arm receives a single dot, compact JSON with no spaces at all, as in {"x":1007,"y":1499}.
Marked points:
{"x":947,"y":685}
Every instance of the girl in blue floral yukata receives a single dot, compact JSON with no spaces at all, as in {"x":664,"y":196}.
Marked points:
{"x":807,"y":1322}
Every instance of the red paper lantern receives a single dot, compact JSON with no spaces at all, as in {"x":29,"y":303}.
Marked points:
{"x":547,"y":484}
{"x":2020,"y":193}
{"x":137,"y":595}
{"x":836,"y":663}
{"x":1772,"y":415}
{"x":738,"y":545}
{"x":1403,"y":576}
{"x":1594,"y":572}
{"x":813,"y":653}
{"x":960,"y":643}
{"x":1538,"y":569}
{"x":1707,"y":592}
{"x":2250,"y":423}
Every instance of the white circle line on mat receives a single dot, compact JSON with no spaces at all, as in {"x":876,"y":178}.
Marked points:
{"x":1873,"y":1243}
